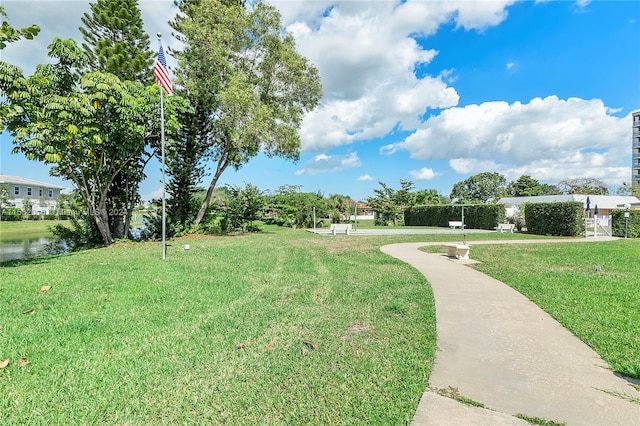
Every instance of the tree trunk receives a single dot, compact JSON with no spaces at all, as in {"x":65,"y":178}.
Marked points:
{"x":102,"y":221}
{"x":207,"y":201}
{"x":127,"y":222}
{"x":222,"y":165}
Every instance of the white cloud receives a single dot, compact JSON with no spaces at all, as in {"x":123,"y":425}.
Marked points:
{"x":389,"y":149}
{"x":154,"y":195}
{"x":448,"y":76}
{"x":424,"y":173}
{"x":329,"y":163}
{"x":480,"y":14}
{"x":510,"y":65}
{"x":547,"y":138}
{"x":55,"y":19}
{"x":469,"y":165}
{"x":364,"y":178}
{"x":370,"y":87}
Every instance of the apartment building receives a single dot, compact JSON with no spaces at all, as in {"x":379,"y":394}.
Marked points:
{"x":41,"y":195}
{"x":635,"y":149}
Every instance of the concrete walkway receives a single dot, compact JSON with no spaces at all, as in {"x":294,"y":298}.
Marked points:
{"x":496,"y":347}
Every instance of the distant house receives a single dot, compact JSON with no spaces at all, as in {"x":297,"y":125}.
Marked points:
{"x":364,"y":211}
{"x":43,"y":196}
{"x":605,"y":203}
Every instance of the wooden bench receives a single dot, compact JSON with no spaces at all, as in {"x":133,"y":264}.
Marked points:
{"x":453,"y":224}
{"x":459,"y":251}
{"x":508,"y":227}
{"x":344,"y":228}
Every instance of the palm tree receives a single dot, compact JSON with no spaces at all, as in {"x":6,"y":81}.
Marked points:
{"x":338,"y":206}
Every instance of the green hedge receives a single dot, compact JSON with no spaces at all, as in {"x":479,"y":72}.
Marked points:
{"x":481,"y":216}
{"x":617,"y":223}
{"x":565,"y":219}
{"x":10,"y":214}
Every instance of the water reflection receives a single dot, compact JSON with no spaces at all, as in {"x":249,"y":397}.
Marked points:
{"x":29,"y":248}
{"x":24,"y":249}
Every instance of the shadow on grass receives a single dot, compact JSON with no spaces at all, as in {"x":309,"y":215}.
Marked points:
{"x":36,"y":260}
{"x":27,"y":261}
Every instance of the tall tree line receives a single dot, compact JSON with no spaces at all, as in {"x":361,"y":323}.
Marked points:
{"x":248,"y":87}
{"x":95,"y":116}
{"x":87,"y":118}
{"x":115,"y":42}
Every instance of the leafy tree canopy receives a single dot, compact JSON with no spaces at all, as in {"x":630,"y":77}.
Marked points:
{"x":291,"y":207}
{"x":481,"y":188}
{"x":88,"y":126}
{"x":338,"y":206}
{"x":427,"y":196}
{"x":548,"y":189}
{"x":389,"y":204}
{"x":115,"y":40}
{"x":250,"y":87}
{"x":525,"y":186}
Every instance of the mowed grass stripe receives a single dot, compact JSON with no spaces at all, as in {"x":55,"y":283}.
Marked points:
{"x":216,"y":334}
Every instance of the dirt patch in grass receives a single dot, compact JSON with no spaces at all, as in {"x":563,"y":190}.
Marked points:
{"x":357,"y":329}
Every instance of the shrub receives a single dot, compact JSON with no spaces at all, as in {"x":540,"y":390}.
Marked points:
{"x":10,"y":214}
{"x":563,"y":219}
{"x":481,"y":216}
{"x":618,"y":223}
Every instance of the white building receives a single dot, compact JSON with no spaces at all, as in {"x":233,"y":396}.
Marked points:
{"x":43,"y":196}
{"x":605,"y":203}
{"x":635,"y":149}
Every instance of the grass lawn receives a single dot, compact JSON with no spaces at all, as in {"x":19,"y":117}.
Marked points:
{"x":602,"y":309}
{"x":281,"y":327}
{"x":25,"y":229}
{"x":272,"y":328}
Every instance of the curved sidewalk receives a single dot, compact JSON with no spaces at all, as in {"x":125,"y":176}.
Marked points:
{"x":496,"y":347}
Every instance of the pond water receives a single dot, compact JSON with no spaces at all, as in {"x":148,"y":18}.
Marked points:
{"x":24,"y":249}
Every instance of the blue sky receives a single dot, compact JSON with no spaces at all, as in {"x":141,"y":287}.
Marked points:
{"x":428,"y":91}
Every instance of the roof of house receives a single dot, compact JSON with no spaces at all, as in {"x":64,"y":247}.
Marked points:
{"x":16,"y":180}
{"x":602,"y":201}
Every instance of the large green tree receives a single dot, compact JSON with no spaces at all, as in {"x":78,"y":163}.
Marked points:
{"x":389,"y":204}
{"x":88,"y":125}
{"x":250,"y":87}
{"x":243,"y":206}
{"x":525,"y":186}
{"x":481,"y":188}
{"x":289,"y":207}
{"x":427,"y":196}
{"x":184,"y":167}
{"x":115,"y":42}
{"x":384,"y":204}
{"x":338,"y":206}
{"x":548,"y":189}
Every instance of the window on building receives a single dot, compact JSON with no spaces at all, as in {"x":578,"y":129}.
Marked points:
{"x":40,"y":195}
{"x":29,"y":192}
{"x":51,"y":193}
{"x":16,"y":190}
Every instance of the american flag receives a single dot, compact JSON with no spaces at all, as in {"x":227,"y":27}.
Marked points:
{"x":161,"y":72}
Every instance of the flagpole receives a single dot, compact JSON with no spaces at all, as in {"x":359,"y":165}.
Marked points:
{"x":164,"y":198}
